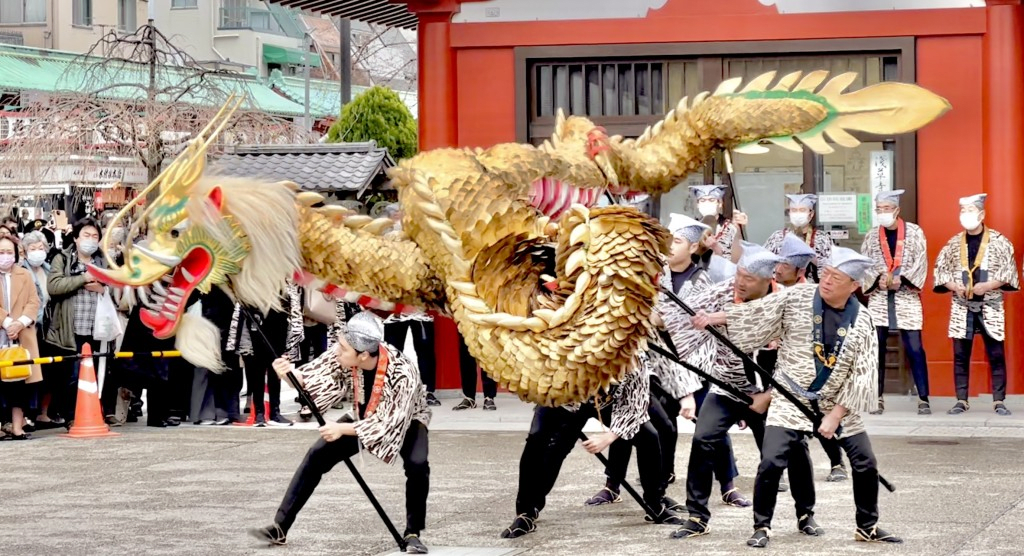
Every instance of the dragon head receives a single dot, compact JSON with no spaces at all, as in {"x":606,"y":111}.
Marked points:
{"x":582,"y":167}
{"x":200,"y":231}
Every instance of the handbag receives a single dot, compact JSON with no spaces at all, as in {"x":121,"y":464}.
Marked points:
{"x":14,"y":352}
{"x":319,"y":307}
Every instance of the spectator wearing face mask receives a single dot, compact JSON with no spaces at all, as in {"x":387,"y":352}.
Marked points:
{"x":801,"y":219}
{"x":75,"y":295}
{"x":19,"y":306}
{"x":36,"y":248}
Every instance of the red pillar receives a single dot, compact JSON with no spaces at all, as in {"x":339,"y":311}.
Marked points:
{"x":1003,"y":133}
{"x":438,"y":128}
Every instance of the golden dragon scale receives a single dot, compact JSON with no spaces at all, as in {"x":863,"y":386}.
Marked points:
{"x":552,"y":297}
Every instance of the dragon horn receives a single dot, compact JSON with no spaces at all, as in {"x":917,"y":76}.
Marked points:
{"x":887,"y":108}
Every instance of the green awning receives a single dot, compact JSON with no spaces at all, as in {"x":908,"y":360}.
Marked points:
{"x":273,"y":54}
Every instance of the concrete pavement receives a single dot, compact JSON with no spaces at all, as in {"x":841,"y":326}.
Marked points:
{"x":194,"y":490}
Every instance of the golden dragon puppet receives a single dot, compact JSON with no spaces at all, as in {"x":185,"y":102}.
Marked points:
{"x":552,"y":295}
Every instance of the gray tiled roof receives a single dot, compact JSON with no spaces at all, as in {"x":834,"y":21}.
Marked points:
{"x":323,"y":167}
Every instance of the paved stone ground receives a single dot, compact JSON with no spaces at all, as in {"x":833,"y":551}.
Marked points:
{"x":194,"y":490}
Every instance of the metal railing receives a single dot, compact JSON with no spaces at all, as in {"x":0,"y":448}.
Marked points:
{"x":250,"y":18}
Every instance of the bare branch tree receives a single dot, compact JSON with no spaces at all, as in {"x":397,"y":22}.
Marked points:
{"x":140,"y":103}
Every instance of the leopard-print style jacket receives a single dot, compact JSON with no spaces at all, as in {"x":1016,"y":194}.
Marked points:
{"x":630,"y":399}
{"x":908,"y":314}
{"x":675,"y":379}
{"x":404,"y":400}
{"x":788,"y":315}
{"x":997,"y":264}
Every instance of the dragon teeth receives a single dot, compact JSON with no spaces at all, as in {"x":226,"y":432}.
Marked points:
{"x":159,"y":288}
{"x":187,"y":275}
{"x":178,"y":292}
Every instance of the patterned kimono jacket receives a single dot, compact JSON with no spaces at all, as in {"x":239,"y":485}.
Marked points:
{"x":675,"y":379}
{"x":403,"y":401}
{"x":819,"y":240}
{"x":630,"y":399}
{"x":997,"y":263}
{"x":900,"y":309}
{"x":722,"y":362}
{"x":788,"y":315}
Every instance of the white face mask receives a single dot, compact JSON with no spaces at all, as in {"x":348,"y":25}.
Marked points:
{"x":799,"y":219}
{"x":970,"y":220}
{"x":885,"y":218}
{"x":707,"y":208}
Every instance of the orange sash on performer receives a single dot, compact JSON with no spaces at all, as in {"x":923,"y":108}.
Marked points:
{"x":378,"y":384}
{"x":892,"y":264}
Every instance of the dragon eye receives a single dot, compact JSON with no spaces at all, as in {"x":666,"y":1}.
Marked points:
{"x":175,"y":233}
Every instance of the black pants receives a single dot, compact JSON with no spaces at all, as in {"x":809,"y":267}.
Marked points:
{"x":864,"y":468}
{"x":962,"y":361}
{"x":468,"y":372}
{"x":664,"y":424}
{"x":422,"y":342}
{"x":314,"y":342}
{"x":915,"y":352}
{"x":260,"y":375}
{"x":725,"y":460}
{"x":227,"y":385}
{"x":323,"y":456}
{"x":832,"y":450}
{"x":553,"y":433}
{"x":782,"y":448}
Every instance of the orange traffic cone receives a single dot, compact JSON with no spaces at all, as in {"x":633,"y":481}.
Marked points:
{"x":88,"y":415}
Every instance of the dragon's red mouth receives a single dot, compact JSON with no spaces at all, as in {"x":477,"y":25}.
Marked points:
{"x":165,"y":302}
{"x":553,"y":197}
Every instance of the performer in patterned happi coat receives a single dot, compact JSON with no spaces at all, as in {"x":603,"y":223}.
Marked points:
{"x":555,"y":430}
{"x":721,"y":409}
{"x":977,"y":265}
{"x":828,"y":357}
{"x":709,"y":204}
{"x":392,"y":422}
{"x":894,"y":285}
{"x":801,"y":218}
{"x":672,"y":386}
{"x":797,"y":256}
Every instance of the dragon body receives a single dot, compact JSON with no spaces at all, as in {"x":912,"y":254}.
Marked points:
{"x":552,"y":295}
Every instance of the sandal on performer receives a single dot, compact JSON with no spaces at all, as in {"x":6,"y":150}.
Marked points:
{"x":876,"y":535}
{"x":924,"y":408}
{"x":603,"y":497}
{"x":760,"y":538}
{"x":881,"y":407}
{"x":1000,"y":408}
{"x":466,"y":403}
{"x":960,"y":407}
{"x":837,"y":474}
{"x":666,"y":517}
{"x":413,"y":545}
{"x":522,"y":525}
{"x":272,"y":534}
{"x":733,"y":498}
{"x":694,"y":527}
{"x":672,"y":504}
{"x":809,"y":527}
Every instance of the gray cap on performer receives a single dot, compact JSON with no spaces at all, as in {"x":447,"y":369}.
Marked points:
{"x":758,"y":261}
{"x":850,"y":263}
{"x":803,"y":200}
{"x":364,"y":332}
{"x":705,"y":191}
{"x":976,"y":200}
{"x":795,"y":252}
{"x":891,"y":197}
{"x":687,"y":228}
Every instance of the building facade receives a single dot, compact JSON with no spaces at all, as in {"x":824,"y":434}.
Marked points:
{"x":69,"y":25}
{"x":494,"y":71}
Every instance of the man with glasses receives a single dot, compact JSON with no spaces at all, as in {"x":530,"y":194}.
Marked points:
{"x":827,"y":357}
{"x":977,"y":266}
{"x":894,"y":286}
